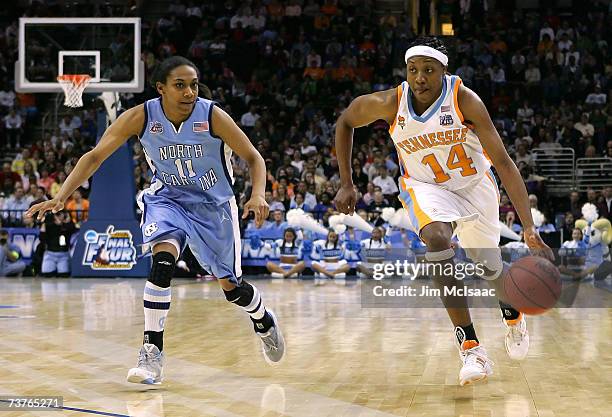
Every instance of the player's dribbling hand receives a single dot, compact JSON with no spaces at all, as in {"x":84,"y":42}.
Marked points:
{"x":257,"y":204}
{"x":345,"y":200}
{"x":53,"y":205}
{"x":536,"y":244}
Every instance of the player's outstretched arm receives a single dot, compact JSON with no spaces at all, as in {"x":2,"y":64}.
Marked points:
{"x":361,"y":112}
{"x":225,"y":128}
{"x":127,"y":125}
{"x":475,"y":111}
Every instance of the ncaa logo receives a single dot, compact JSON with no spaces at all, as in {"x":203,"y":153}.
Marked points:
{"x":150,"y":229}
{"x":156,"y":127}
{"x":446,"y":120}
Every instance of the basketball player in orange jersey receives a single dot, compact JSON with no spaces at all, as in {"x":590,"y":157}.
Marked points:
{"x":444,"y":137}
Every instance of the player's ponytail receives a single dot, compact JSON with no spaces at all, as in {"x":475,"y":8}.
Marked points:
{"x":163,"y":69}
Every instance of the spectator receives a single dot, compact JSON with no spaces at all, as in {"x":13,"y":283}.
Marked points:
{"x":15,"y":206}
{"x":379,"y":202}
{"x":55,"y":235}
{"x":68,"y":124}
{"x":13,"y":127}
{"x":386,"y":183}
{"x":466,"y":73}
{"x":10,"y":257}
{"x":8,"y":175}
{"x":596,"y":98}
{"x":278,"y":225}
{"x":7,"y":99}
{"x":532,"y":75}
{"x":78,"y":207}
{"x":297,"y":202}
{"x":605,"y":203}
{"x":321,"y":208}
{"x":522,"y":156}
{"x":249,"y":118}
{"x":586,"y":129}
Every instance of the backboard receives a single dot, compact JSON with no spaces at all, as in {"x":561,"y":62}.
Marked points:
{"x":107,"y":49}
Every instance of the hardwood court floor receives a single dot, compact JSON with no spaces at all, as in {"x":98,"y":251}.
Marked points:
{"x":77,"y":339}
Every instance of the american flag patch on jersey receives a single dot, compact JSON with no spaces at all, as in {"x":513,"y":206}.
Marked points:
{"x":200,"y":126}
{"x":445,"y":109}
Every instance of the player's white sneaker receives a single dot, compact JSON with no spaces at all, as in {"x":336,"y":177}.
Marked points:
{"x":277,"y":275}
{"x":476,"y":364}
{"x":273,"y":342}
{"x":517,"y":338}
{"x":150,"y":366}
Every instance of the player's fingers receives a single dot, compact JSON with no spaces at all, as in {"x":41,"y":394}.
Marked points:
{"x":245,"y":211}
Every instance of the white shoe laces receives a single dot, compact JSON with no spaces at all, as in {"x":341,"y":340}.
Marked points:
{"x":471,"y":356}
{"x":517,"y":332}
{"x":270,"y":340}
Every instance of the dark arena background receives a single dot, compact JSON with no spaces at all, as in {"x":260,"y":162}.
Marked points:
{"x":361,"y":339}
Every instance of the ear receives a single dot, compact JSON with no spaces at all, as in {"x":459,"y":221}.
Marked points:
{"x":159,"y":87}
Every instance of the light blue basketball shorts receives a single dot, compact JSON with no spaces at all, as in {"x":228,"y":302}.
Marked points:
{"x":211,"y":231}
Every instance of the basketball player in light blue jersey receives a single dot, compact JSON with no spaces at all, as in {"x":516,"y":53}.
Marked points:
{"x":188,"y":142}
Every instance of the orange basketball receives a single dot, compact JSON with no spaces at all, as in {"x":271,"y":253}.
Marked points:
{"x":532,"y":285}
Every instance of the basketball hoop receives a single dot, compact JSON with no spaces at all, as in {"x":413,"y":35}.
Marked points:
{"x":73,"y":86}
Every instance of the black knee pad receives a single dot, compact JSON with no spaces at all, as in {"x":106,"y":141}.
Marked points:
{"x":242,"y":295}
{"x":162,"y":269}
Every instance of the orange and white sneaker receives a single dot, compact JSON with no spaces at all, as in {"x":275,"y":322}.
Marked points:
{"x":517,"y":337}
{"x":476,"y":364}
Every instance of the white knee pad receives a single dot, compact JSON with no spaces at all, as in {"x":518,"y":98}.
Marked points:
{"x":439,"y":256}
{"x":490,"y":258}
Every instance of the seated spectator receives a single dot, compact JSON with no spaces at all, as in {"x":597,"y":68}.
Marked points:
{"x":586,"y":129}
{"x":373,"y":251}
{"x":45,"y":180}
{"x":322,"y":207}
{"x":278,"y":224}
{"x":597,"y":97}
{"x":68,"y":124}
{"x":523,"y":156}
{"x":511,"y":222}
{"x":55,"y":234}
{"x":379,"y":201}
{"x":13,"y":126}
{"x":289,"y":254}
{"x":8,"y":176}
{"x":368,"y":197}
{"x":15,"y":206}
{"x":328,"y":259}
{"x":297,"y":202}
{"x":78,"y":207}
{"x":604,"y":206}
{"x":386,"y":183}
{"x":574,"y":254}
{"x":10,"y":257}
{"x":7,"y":99}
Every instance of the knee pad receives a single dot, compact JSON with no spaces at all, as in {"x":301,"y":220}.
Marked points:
{"x":490,"y":258}
{"x":440,"y":256}
{"x":162,"y":269}
{"x":243,"y":295}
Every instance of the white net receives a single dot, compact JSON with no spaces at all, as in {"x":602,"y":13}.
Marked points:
{"x":73,"y":86}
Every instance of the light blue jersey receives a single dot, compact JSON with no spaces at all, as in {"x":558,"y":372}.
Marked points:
{"x":190,"y":164}
{"x":190,"y":200}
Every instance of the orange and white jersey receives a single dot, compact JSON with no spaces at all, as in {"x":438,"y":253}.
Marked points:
{"x":437,"y":147}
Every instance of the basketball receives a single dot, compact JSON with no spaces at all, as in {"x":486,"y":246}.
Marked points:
{"x":532,"y":285}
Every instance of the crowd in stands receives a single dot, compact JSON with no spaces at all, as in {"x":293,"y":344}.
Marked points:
{"x":285,"y":70}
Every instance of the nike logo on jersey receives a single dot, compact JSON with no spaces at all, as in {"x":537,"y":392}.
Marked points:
{"x":430,"y":140}
{"x":164,"y":263}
